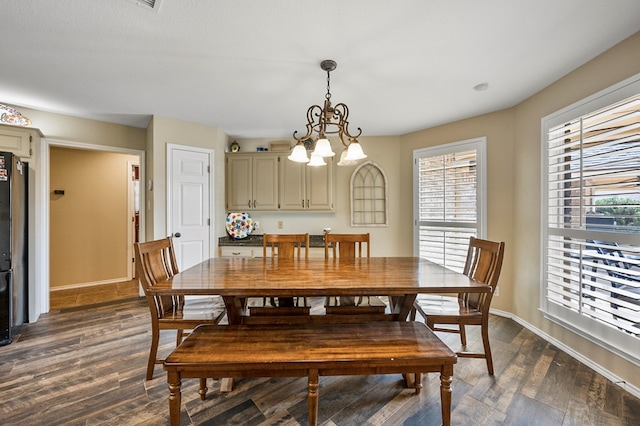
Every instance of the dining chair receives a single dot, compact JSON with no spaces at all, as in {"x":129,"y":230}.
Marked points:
{"x":483,"y":264}
{"x":347,"y":247}
{"x":282,"y":246}
{"x":155,"y":262}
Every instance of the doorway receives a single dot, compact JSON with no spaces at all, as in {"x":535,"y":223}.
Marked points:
{"x":93,"y":209}
{"x":189,"y":207}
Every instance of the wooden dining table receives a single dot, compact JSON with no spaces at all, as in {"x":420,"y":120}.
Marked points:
{"x":398,"y":278}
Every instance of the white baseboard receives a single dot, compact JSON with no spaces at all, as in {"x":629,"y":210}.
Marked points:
{"x":89,"y":284}
{"x":635,"y":391}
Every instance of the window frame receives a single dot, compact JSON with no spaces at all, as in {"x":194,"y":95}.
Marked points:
{"x":624,"y":345}
{"x":478,"y":144}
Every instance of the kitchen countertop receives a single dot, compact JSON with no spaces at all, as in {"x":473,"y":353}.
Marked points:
{"x":256,"y":241}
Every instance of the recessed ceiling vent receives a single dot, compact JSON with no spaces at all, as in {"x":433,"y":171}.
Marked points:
{"x":149,"y":4}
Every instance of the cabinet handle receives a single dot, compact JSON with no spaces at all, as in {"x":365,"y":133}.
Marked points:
{"x":303,"y":204}
{"x":249,"y":204}
{"x":254,"y":204}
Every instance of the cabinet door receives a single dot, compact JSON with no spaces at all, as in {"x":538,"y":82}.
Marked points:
{"x":319,"y":187}
{"x":16,"y":140}
{"x":239,"y":183}
{"x":292,"y":185}
{"x":265,"y":182}
{"x":228,"y":251}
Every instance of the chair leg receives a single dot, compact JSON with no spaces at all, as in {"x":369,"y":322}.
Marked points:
{"x":463,"y":335}
{"x":178,"y":337}
{"x":412,"y":314}
{"x":153,"y":352}
{"x":487,"y":347}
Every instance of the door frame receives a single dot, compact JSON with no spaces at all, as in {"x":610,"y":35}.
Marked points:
{"x":168,"y":187}
{"x":42,"y":232}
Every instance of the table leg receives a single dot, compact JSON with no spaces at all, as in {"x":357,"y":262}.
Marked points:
{"x":313,"y":397}
{"x":173,"y":379}
{"x":235,"y":309}
{"x":409,"y":380}
{"x":418,"y":382}
{"x":445,"y":393}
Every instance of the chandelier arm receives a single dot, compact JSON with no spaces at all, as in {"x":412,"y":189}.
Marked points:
{"x":343,"y":111}
{"x":311,"y":125}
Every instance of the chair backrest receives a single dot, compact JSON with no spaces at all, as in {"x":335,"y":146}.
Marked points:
{"x":289,"y":245}
{"x":483,"y":264}
{"x":155,"y":262}
{"x":347,"y":246}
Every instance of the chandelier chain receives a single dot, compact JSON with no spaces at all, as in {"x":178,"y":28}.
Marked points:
{"x":328,"y":95}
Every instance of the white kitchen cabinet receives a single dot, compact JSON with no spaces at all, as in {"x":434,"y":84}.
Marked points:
{"x":252,"y":181}
{"x":19,"y":140}
{"x":306,"y":188}
{"x":243,"y":251}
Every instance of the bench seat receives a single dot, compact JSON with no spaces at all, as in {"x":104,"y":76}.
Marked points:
{"x":310,"y":350}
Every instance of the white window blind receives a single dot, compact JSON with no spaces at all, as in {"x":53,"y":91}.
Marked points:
{"x":448,"y":201}
{"x":592,"y":255}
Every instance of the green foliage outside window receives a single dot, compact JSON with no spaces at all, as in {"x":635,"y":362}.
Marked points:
{"x":625,"y":210}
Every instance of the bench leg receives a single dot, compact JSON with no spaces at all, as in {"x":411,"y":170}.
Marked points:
{"x":313,"y":397}
{"x":173,"y":378}
{"x":445,"y":393}
{"x":203,"y":389}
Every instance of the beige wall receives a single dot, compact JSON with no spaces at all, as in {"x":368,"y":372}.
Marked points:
{"x":514,"y":181}
{"x":385,"y":241}
{"x":89,"y":223}
{"x":615,"y":65}
{"x":74,"y":129}
{"x":165,"y":131}
{"x":498,"y":128}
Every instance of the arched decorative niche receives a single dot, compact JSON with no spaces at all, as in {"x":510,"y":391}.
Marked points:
{"x":369,"y":205}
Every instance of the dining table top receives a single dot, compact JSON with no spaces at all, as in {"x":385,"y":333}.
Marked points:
{"x":263,"y":277}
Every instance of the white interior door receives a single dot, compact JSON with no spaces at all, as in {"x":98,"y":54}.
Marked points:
{"x":189,"y":203}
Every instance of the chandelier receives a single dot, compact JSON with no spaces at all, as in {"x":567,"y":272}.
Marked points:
{"x":324,"y":121}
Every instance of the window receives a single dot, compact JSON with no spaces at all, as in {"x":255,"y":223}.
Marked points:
{"x":591,"y":202}
{"x":449,"y":200}
{"x":368,"y":196}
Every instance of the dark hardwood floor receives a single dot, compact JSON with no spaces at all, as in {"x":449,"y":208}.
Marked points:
{"x":85,"y":365}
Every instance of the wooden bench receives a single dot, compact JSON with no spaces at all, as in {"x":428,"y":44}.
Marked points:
{"x":310,"y":350}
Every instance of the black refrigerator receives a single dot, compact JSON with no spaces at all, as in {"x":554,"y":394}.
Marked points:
{"x":13,"y":245}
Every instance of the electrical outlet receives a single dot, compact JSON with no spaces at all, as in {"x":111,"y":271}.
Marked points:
{"x":256,"y":225}
{"x":280,"y":224}
{"x":497,"y":292}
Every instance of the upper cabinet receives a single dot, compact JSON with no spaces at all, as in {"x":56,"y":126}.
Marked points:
{"x":252,"y":185}
{"x":307,"y":188}
{"x":252,"y":182}
{"x":18,"y":140}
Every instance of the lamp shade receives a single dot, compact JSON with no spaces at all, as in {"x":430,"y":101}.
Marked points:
{"x":323,"y":148}
{"x":354,"y":152}
{"x":343,"y":159}
{"x":316,"y":160}
{"x":299,"y":154}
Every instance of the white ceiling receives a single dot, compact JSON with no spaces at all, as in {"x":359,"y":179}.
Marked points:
{"x":251,"y":67}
